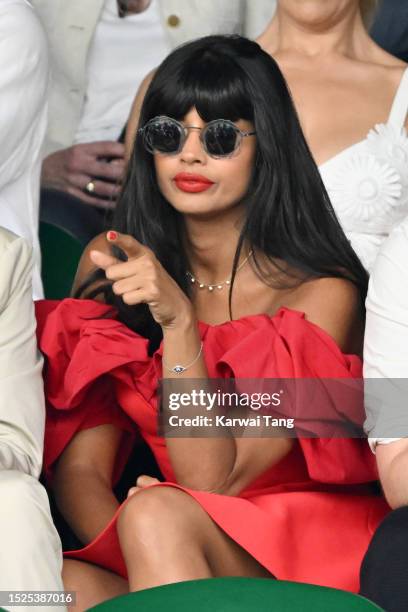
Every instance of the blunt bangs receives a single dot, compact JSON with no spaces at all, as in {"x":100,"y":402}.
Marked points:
{"x":210,"y":81}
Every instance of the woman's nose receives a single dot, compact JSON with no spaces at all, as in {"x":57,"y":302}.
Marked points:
{"x":192,"y":150}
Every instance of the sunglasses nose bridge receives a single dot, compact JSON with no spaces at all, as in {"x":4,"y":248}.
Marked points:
{"x":192,"y":145}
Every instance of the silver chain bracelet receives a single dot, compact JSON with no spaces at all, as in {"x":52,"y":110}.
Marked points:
{"x":179,"y":369}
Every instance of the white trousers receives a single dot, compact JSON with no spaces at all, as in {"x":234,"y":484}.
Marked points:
{"x":30,"y":548}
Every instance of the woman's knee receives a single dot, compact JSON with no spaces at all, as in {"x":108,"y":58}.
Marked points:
{"x":158,"y":513}
{"x":91,"y":584}
{"x":74,"y":573}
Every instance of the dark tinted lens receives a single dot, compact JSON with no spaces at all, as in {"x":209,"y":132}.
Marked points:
{"x":220,"y":138}
{"x":163,"y":136}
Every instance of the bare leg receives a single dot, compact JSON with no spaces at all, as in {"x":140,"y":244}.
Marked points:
{"x":91,"y":583}
{"x":167,"y":537}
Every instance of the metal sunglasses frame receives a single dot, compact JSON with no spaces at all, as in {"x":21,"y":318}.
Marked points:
{"x":184,"y":129}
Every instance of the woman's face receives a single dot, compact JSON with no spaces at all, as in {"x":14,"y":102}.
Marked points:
{"x":195,"y":183}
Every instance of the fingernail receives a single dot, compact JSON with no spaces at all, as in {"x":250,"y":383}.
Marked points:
{"x":111,"y":235}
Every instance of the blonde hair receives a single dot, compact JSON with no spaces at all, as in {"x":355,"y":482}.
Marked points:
{"x":368,"y":9}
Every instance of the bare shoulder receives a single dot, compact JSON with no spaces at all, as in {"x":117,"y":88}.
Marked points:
{"x":383,"y":58}
{"x":334,"y":304}
{"x":393,"y":72}
{"x":86,"y":266}
{"x":389,"y":70}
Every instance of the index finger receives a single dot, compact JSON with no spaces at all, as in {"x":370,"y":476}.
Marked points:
{"x":131,"y":247}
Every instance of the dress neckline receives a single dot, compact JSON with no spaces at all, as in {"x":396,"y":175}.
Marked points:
{"x":396,"y":116}
{"x":343,"y":152}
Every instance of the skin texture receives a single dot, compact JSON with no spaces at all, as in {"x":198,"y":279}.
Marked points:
{"x":230,"y":175}
{"x":392,"y":462}
{"x":342,"y":83}
{"x":220,"y":465}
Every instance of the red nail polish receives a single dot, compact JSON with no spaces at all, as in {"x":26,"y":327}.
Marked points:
{"x":112,"y":235}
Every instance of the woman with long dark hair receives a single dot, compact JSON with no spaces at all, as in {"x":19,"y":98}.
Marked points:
{"x":225,"y":261}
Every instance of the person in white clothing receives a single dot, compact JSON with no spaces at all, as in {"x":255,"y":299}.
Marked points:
{"x":23,"y":119}
{"x":30,"y":552}
{"x":352,"y":100}
{"x":100,"y":52}
{"x":384,"y":571}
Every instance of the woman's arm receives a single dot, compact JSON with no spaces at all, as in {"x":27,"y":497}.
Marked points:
{"x":386,"y":365}
{"x":82,"y":480}
{"x":86,"y":267}
{"x":392,"y":462}
{"x":225,"y":465}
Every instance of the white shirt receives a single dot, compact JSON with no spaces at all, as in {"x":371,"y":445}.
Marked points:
{"x":122,"y":52}
{"x":23,"y":119}
{"x":386,"y":342}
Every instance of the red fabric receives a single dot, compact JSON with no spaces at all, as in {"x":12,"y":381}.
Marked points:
{"x":309,"y":518}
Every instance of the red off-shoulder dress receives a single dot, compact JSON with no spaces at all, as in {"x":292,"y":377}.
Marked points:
{"x":309,"y":518}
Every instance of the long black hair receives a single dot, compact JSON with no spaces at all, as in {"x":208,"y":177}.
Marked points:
{"x":289,"y":216}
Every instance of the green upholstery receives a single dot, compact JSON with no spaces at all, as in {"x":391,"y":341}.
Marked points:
{"x":60,"y":252}
{"x":238,"y":595}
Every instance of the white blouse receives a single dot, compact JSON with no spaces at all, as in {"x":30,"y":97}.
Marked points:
{"x":368,"y":182}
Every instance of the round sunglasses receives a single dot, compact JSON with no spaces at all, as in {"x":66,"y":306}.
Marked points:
{"x":219,"y":138}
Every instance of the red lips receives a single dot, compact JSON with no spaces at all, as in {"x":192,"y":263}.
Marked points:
{"x":192,"y":183}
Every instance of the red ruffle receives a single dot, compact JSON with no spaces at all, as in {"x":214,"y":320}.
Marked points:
{"x":307,"y":519}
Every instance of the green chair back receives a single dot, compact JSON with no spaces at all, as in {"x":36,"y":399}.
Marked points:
{"x":60,"y":252}
{"x":238,"y":595}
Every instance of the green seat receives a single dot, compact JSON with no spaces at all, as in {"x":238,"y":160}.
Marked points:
{"x":238,"y":595}
{"x":60,"y":252}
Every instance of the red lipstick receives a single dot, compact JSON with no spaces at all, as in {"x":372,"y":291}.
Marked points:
{"x":192,"y":183}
